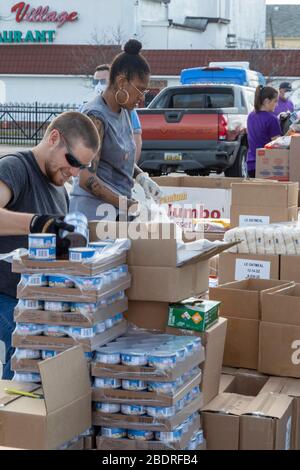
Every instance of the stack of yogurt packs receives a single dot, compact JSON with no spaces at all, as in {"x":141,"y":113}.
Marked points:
{"x":146,"y":392}
{"x":66,"y":302}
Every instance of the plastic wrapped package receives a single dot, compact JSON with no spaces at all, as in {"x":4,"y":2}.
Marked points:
{"x":289,"y":241}
{"x":269,"y":241}
{"x":251,"y":239}
{"x":296,"y":238}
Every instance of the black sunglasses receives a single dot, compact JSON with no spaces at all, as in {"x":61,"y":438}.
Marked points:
{"x":73,"y":161}
{"x":103,"y":81}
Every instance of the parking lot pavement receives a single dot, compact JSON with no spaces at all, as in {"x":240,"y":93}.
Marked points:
{"x":5,"y":149}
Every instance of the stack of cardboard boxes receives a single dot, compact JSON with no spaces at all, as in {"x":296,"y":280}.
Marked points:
{"x":279,"y":164}
{"x":241,"y":305}
{"x":158,"y":279}
{"x":279,"y":342}
{"x":260,"y":204}
{"x":246,"y":416}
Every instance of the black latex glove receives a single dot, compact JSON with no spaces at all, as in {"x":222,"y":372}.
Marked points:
{"x":53,"y":224}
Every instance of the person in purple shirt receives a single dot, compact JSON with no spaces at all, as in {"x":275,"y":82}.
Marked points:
{"x":284,"y":104}
{"x":262,"y":125}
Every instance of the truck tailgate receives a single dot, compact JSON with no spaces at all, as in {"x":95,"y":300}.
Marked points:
{"x":179,"y":125}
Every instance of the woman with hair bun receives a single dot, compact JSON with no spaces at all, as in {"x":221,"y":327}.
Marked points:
{"x":112,"y":174}
{"x":262,"y":125}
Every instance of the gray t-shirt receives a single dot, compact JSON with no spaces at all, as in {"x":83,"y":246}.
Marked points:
{"x":116,"y":165}
{"x":32,"y":193}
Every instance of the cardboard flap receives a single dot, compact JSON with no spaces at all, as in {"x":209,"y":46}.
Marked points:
{"x":291,"y":388}
{"x":269,"y":405}
{"x":274,"y":385}
{"x":229,"y":403}
{"x":65,"y":378}
{"x":210,"y":253}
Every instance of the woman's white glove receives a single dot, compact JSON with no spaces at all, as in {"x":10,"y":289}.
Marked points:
{"x":149,"y":186}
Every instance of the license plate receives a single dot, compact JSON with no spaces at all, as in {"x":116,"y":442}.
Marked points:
{"x":173,"y":157}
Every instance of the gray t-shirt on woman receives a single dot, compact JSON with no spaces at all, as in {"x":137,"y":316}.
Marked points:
{"x":116,"y":165}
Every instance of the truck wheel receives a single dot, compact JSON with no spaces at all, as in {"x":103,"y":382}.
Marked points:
{"x":239,"y":168}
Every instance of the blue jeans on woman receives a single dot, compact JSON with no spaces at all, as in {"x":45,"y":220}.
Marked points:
{"x":7,"y":326}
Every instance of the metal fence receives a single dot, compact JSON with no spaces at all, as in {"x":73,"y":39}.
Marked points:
{"x":25,"y":124}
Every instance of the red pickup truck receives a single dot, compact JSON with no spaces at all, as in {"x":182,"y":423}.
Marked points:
{"x":197,"y":129}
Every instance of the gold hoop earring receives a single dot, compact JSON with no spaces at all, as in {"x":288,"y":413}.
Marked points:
{"x":117,"y":99}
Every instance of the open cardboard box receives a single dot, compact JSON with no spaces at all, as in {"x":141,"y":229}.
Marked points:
{"x":64,"y":413}
{"x":282,"y":305}
{"x":242,"y":299}
{"x":159,"y":271}
{"x":290,"y":387}
{"x":241,"y":422}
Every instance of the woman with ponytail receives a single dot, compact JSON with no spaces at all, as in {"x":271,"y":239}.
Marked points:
{"x":112,"y":174}
{"x":262,"y":125}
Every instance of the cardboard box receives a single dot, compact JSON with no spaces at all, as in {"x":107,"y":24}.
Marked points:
{"x":213,"y":340}
{"x":119,"y":420}
{"x":294,"y":159}
{"x":221,"y":420}
{"x":193,"y":314}
{"x":265,"y":194}
{"x":282,"y":305}
{"x":290,"y":268}
{"x":209,"y":197}
{"x":159,"y":271}
{"x":239,"y":422}
{"x":236,"y":267}
{"x":279,"y":349}
{"x":162,"y":284}
{"x":241,"y":345}
{"x":146,"y":372}
{"x":244,"y":216}
{"x":273,"y":164}
{"x":25,"y":265}
{"x":290,"y":387}
{"x":65,"y":294}
{"x":145,"y":398}
{"x":61,"y":344}
{"x":267,"y":423}
{"x":247,"y":384}
{"x":63,"y":414}
{"x":242,"y":299}
{"x":226,"y":380}
{"x":104,"y":443}
{"x":45,"y":317}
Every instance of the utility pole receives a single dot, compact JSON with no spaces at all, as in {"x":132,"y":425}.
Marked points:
{"x":272,"y":32}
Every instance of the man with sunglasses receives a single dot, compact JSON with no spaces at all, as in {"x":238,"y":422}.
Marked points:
{"x":33,"y":199}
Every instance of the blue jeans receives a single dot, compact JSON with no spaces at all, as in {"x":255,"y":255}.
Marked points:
{"x":7,"y":326}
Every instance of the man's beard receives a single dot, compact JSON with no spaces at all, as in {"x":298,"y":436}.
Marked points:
{"x":50,"y":174}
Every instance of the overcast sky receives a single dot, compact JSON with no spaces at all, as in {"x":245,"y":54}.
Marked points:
{"x":284,"y":2}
